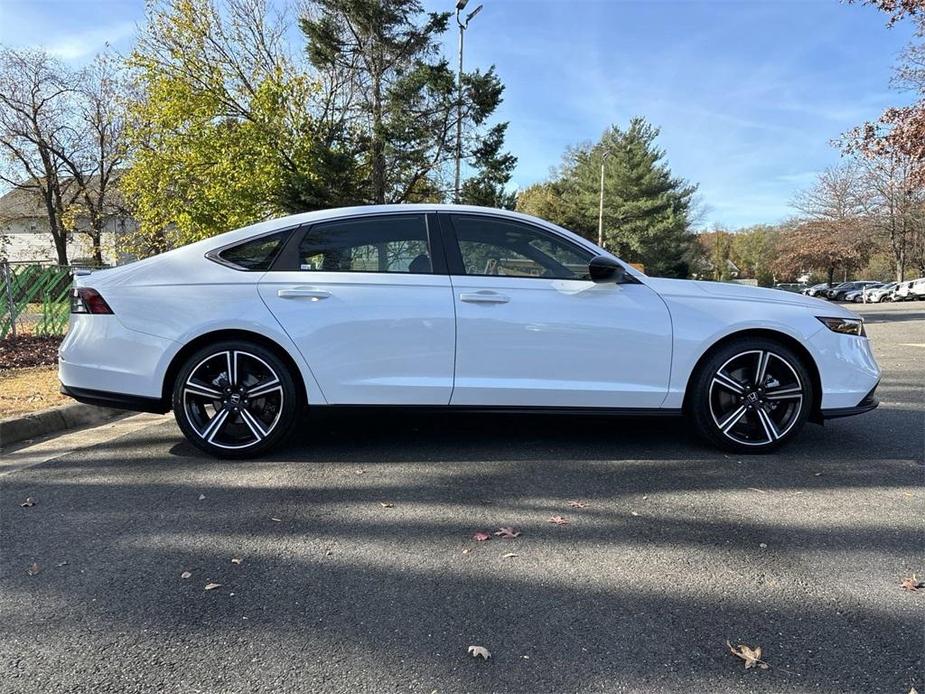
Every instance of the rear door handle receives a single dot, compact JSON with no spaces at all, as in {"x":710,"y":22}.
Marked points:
{"x":484,"y":297}
{"x":303,"y":293}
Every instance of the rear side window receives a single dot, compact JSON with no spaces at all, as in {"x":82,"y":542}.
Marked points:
{"x":392,"y":243}
{"x":254,"y":255}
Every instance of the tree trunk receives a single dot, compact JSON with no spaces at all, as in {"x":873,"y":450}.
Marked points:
{"x":831,"y":276}
{"x":378,"y":145}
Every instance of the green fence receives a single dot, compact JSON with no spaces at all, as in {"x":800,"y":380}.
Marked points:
{"x":34,"y":299}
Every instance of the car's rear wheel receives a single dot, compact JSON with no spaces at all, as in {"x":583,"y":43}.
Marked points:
{"x":751,"y":395}
{"x":235,"y":399}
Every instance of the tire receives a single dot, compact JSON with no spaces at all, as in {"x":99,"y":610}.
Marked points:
{"x":241,"y":417}
{"x":729,"y":407}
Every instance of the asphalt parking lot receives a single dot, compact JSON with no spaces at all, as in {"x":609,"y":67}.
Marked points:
{"x":358,"y":571}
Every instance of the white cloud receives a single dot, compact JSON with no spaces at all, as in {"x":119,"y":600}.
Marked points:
{"x":88,"y":41}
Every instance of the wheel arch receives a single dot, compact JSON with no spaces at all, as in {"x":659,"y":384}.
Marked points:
{"x":200,"y":341}
{"x":787,"y":340}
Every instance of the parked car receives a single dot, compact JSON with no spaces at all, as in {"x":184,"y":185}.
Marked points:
{"x":838,"y":293}
{"x":901,"y":292}
{"x":875,"y":295}
{"x":857,"y":295}
{"x":454,"y":308}
{"x":917,"y":289}
{"x":790,"y":287}
{"x":816,"y":289}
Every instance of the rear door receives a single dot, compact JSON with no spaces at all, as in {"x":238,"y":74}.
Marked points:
{"x":368,"y":303}
{"x":533,"y":330}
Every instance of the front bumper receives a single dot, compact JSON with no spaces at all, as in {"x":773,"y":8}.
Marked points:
{"x":870,"y":402}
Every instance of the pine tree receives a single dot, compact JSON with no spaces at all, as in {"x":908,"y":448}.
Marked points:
{"x":397,"y":100}
{"x":646,"y":208}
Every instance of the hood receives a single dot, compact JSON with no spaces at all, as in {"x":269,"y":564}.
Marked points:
{"x":742,"y":292}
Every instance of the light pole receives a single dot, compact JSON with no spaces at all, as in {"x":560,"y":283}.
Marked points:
{"x":600,"y":211}
{"x":463,"y":25}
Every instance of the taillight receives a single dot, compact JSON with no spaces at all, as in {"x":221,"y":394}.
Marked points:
{"x":87,"y":300}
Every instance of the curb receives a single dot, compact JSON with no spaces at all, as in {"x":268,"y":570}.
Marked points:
{"x":54,"y":420}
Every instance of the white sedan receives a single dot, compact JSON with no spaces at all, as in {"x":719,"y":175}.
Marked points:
{"x":450,"y":307}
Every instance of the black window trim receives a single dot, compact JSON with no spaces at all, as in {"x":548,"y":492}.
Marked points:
{"x":287,"y":260}
{"x":454,"y":255}
{"x":215,"y":254}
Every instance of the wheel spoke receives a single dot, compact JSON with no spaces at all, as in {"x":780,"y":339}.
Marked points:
{"x":203,"y":390}
{"x":253,"y":424}
{"x":232,"y":359}
{"x":214,"y":425}
{"x":733,"y":419}
{"x":788,"y":393}
{"x":770,"y":428}
{"x":728,"y":383}
{"x":264,"y":388}
{"x":762,"y":370}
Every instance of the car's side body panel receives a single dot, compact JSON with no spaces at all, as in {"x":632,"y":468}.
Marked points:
{"x":372,"y":338}
{"x":560,"y":343}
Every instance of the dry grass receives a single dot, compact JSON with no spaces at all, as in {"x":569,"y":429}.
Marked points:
{"x":29,"y":390}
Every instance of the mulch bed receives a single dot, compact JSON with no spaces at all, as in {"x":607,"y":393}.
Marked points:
{"x":28,"y":350}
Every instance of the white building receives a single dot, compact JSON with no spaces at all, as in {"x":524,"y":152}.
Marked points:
{"x":25,"y":235}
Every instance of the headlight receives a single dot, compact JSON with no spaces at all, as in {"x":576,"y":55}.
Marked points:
{"x":847,"y":326}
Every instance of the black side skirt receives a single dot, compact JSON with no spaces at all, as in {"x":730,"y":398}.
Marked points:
{"x":119,"y":401}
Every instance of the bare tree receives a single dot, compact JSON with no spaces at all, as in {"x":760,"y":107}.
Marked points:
{"x":895,"y":205}
{"x":94,"y":166}
{"x":36,"y":113}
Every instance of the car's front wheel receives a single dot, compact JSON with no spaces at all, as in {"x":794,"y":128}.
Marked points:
{"x":751,"y":395}
{"x":235,"y":399}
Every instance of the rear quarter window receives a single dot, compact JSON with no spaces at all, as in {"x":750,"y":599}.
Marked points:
{"x":253,"y":255}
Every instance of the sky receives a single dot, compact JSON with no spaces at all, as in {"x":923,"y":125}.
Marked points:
{"x":748,"y":94}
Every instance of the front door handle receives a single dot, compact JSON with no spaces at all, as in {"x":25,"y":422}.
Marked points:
{"x":484,"y":297}
{"x":303,"y":293}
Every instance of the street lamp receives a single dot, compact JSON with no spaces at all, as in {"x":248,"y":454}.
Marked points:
{"x":463,"y":25}
{"x":600,"y":212}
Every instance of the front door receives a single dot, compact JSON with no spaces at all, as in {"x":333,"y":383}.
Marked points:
{"x":533,"y":330}
{"x":361,"y":300}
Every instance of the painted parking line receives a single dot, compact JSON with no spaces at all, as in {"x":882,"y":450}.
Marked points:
{"x":27,"y":456}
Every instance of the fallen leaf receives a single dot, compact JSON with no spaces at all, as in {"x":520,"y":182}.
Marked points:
{"x":509,"y":555}
{"x":559,"y":520}
{"x":186,"y":574}
{"x":481,"y":537}
{"x":202,"y":497}
{"x":507,"y":533}
{"x":577,"y":504}
{"x":751,"y":656}
{"x":28,"y":503}
{"x":479,"y":652}
{"x":34,"y":569}
{"x":386,"y":504}
{"x":213,"y":586}
{"x":912,"y":583}
{"x":235,"y":560}
{"x":277,"y":520}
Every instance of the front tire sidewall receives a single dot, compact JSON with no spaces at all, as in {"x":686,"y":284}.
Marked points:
{"x":287,"y":418}
{"x":698,"y":403}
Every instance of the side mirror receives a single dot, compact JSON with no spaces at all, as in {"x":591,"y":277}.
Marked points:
{"x":604,"y":269}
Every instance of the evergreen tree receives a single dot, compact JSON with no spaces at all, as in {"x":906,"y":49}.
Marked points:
{"x":646,"y":208}
{"x":397,"y":99}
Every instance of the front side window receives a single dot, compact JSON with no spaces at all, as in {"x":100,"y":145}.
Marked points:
{"x":491,"y":246}
{"x":256,"y":254}
{"x":393,"y":243}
